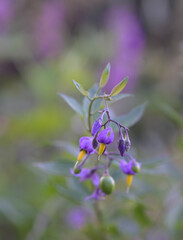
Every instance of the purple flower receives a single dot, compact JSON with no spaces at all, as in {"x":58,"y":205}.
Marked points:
{"x":130,"y":168}
{"x":127,"y":167}
{"x":85,"y":146}
{"x":97,"y":125}
{"x":97,"y":195}
{"x":77,"y":218}
{"x":86,"y":174}
{"x":85,"y":143}
{"x":106,"y":136}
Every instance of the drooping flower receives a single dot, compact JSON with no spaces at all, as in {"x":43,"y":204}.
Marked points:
{"x":97,"y":124}
{"x":91,"y":174}
{"x":87,"y":173}
{"x":128,"y":169}
{"x":85,"y":146}
{"x":106,"y":136}
{"x":97,"y":195}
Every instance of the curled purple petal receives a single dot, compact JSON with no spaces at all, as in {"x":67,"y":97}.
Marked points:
{"x":95,"y":179}
{"x":126,"y":167}
{"x":87,"y":173}
{"x":97,"y":195}
{"x":106,"y":136}
{"x":85,"y":143}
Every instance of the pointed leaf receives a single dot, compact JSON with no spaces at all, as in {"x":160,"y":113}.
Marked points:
{"x":73,"y":103}
{"x":80,"y":88}
{"x":133,"y":116}
{"x":171,"y":113}
{"x":119,"y":87}
{"x":116,"y":98}
{"x":119,"y":97}
{"x":86,"y":103}
{"x":70,"y":148}
{"x":105,"y":76}
{"x":93,"y":90}
{"x":55,"y":168}
{"x":69,"y":194}
{"x":96,"y":105}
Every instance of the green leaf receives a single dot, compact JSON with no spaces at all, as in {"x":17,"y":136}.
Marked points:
{"x":69,"y":194}
{"x":133,"y":116}
{"x":171,"y":113}
{"x":119,"y":87}
{"x":10,"y":211}
{"x":96,"y":105}
{"x":119,"y":97}
{"x":55,"y":168}
{"x":105,"y":76}
{"x":70,"y":148}
{"x":116,"y":98}
{"x":161,"y":169}
{"x":73,"y":103}
{"x":86,"y":103}
{"x":80,"y":88}
{"x":93,"y":90}
{"x":141,"y":215}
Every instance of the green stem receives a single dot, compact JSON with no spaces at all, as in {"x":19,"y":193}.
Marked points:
{"x":89,"y":110}
{"x":100,"y":220}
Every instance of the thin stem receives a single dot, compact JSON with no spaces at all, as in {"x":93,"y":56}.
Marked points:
{"x":118,"y":124}
{"x":100,"y":220}
{"x":90,"y":108}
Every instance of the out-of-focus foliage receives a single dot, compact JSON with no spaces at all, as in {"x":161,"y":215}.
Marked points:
{"x":43,"y":46}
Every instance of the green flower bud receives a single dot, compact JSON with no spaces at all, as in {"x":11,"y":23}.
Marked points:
{"x":136,"y":167}
{"x":107,"y":184}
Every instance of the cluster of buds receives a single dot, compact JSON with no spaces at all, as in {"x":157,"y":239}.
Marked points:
{"x":102,"y":135}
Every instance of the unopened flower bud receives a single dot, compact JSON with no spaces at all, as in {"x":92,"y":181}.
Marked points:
{"x":107,"y":184}
{"x":127,"y":144}
{"x":97,"y":125}
{"x":94,"y":143}
{"x":121,"y":146}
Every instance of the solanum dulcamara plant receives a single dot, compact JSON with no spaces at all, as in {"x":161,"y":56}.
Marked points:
{"x":101,"y":128}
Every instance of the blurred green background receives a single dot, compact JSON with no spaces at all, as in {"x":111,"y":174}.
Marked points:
{"x":43,"y":46}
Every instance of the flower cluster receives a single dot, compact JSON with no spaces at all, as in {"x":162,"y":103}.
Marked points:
{"x":102,"y":135}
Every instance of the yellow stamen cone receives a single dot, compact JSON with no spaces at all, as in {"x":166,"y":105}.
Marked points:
{"x":101,"y":149}
{"x":81,"y":155}
{"x":129,"y":180}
